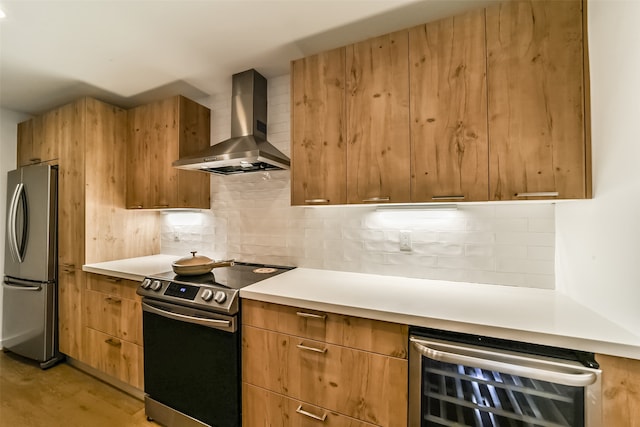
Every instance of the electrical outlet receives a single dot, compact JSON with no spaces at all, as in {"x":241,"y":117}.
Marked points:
{"x":405,"y":240}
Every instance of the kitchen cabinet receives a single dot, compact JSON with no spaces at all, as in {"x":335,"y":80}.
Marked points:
{"x":70,"y":319}
{"x":620,"y":391}
{"x":318,"y":133}
{"x":38,"y":140}
{"x":336,"y":364}
{"x":160,"y":133}
{"x":536,"y":100}
{"x":450,"y":159}
{"x":113,"y":328}
{"x":378,"y":146}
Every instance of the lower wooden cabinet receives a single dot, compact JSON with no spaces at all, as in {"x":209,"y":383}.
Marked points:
{"x":70,"y":323}
{"x":351,"y":368}
{"x":115,"y":357}
{"x":271,"y":409}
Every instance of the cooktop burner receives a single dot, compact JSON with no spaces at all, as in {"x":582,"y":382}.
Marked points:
{"x":215,"y":291}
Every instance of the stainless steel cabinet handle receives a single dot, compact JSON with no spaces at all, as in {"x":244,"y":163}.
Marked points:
{"x":317,"y":201}
{"x":311,"y":315}
{"x":160,"y":206}
{"x":555,"y":372}
{"x":35,"y":160}
{"x":447,"y":198}
{"x":69,"y":265}
{"x":114,"y":342}
{"x":113,"y":279}
{"x":377,"y":199}
{"x":539,"y":194}
{"x":310,"y":415}
{"x":301,"y":346}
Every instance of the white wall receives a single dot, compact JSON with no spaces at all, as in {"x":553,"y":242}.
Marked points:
{"x":252,"y":220}
{"x":598,"y":240}
{"x":8,"y":137}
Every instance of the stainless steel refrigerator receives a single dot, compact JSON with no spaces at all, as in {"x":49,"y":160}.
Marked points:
{"x":29,"y":302}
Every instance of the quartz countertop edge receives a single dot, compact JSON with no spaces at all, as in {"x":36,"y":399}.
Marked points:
{"x":133,"y":268}
{"x":538,"y":316}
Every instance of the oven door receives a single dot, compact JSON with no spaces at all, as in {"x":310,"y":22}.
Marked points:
{"x":453,"y":384}
{"x":191,"y":365}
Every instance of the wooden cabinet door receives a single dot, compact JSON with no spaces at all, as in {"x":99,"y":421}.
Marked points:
{"x":449,"y":145}
{"x":318,"y":135}
{"x":113,"y":315}
{"x":25,"y":143}
{"x":160,"y":133}
{"x":536,"y":99}
{"x":37,"y":139}
{"x":71,"y":173}
{"x":378,"y":148}
{"x":261,"y":407}
{"x":70,"y":322}
{"x":367,"y":386}
{"x":115,"y":357}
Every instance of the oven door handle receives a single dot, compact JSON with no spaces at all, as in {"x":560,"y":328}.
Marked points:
{"x":552,"y":371}
{"x":225,"y":325}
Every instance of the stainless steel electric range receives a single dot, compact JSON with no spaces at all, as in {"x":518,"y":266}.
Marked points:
{"x":192,"y":344}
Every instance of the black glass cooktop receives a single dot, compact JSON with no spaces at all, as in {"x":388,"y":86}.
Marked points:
{"x":237,"y":276}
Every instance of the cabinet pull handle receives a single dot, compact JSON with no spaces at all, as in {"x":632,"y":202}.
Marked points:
{"x":69,"y":265}
{"x":377,"y":199}
{"x":310,"y":415}
{"x":457,"y":197}
{"x":317,"y":201}
{"x":35,"y":160}
{"x":539,"y":194}
{"x":311,"y":315}
{"x":114,"y":342}
{"x":113,"y":279}
{"x":135,"y":207}
{"x":160,"y":206}
{"x":110,"y":300}
{"x":301,"y":346}
{"x":68,"y":270}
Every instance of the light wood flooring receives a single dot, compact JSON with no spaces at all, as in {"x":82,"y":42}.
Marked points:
{"x":62,"y":396}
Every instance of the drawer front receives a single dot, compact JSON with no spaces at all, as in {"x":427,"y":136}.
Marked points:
{"x":365,"y":334}
{"x":368,"y":386}
{"x":114,"y":315}
{"x":113,"y":285}
{"x":261,"y":407}
{"x":118,"y":358}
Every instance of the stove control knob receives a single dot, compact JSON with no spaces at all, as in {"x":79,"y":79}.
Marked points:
{"x":156,"y":285}
{"x":146,"y":284}
{"x":220,"y":297}
{"x":207,"y":294}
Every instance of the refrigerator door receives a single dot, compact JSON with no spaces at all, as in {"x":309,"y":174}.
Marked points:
{"x":30,"y":238}
{"x":28,"y":324}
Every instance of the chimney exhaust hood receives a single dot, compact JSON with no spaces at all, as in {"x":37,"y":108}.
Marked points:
{"x":248,"y":149}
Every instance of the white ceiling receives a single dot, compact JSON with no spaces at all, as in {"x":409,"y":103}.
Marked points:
{"x":129,"y":52}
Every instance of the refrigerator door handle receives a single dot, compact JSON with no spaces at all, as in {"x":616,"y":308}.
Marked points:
{"x":22,"y":288}
{"x":15,"y":249}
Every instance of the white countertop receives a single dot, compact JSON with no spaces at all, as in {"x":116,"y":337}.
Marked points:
{"x":133,"y":268}
{"x":524,"y":314}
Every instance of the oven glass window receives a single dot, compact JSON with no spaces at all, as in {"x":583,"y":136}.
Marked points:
{"x":458,"y":395}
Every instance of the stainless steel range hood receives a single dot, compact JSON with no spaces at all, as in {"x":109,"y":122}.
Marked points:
{"x":248,"y":149}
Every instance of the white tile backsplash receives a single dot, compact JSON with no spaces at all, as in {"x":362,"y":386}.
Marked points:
{"x":251,"y":220}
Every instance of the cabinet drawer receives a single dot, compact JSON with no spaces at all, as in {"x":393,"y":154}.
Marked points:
{"x":118,"y":358}
{"x":365,"y":334}
{"x":114,"y":315}
{"x":264,"y":408}
{"x":367,"y":386}
{"x":113,"y":285}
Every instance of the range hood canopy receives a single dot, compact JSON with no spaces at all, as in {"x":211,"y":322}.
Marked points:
{"x":248,"y":149}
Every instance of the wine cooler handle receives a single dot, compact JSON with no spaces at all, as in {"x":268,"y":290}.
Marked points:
{"x":521,"y":365}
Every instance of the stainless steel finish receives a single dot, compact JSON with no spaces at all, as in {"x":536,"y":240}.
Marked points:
{"x":311,"y":315}
{"x":377,"y":199}
{"x":248,"y":149}
{"x":310,"y":415}
{"x":207,"y":294}
{"x":539,"y":194}
{"x":560,"y":373}
{"x":317,"y":201}
{"x":447,"y":198}
{"x":301,"y":346}
{"x":29,"y":312}
{"x":499,"y":370}
{"x":220,"y":297}
{"x":190,"y":315}
{"x":167,"y":416}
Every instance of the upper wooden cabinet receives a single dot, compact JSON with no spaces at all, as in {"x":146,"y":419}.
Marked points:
{"x":318,"y":133}
{"x":435,"y":113}
{"x":449,"y":160}
{"x":39,"y":139}
{"x":536,"y":100}
{"x":378,"y":147}
{"x":160,"y":133}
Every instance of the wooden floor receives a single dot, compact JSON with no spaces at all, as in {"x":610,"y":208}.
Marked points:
{"x":62,"y":396}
